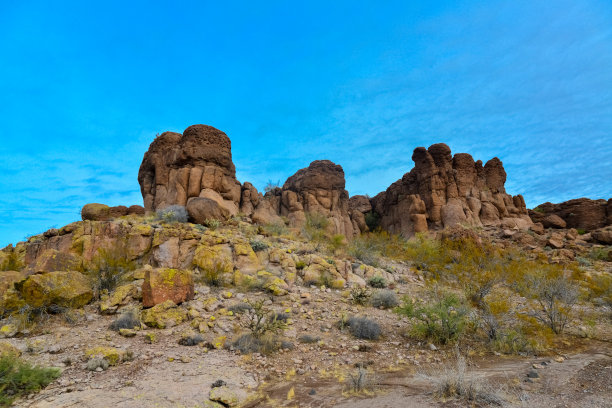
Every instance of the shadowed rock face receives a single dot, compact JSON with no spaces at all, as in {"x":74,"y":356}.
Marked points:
{"x":582,"y":213}
{"x":444,"y":191}
{"x":197,"y":163}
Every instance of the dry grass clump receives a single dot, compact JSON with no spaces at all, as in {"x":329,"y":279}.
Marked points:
{"x":455,"y":382}
{"x":213,"y":273}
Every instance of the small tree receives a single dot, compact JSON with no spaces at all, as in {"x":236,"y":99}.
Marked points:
{"x":555,"y":296}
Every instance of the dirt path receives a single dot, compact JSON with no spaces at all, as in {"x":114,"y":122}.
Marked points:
{"x":582,"y":380}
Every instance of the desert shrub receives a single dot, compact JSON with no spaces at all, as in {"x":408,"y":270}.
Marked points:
{"x":258,"y":245}
{"x":191,"y":340}
{"x":275,"y":229}
{"x":109,"y":267}
{"x":12,"y":262}
{"x":364,"y":328}
{"x":299,"y":265}
{"x":173,"y":213}
{"x":456,"y":382}
{"x":315,"y":228}
{"x":336,"y":242}
{"x":581,"y":231}
{"x":554,"y":295}
{"x":372,"y":220}
{"x":359,"y":295}
{"x":385,"y":299}
{"x":510,"y":342}
{"x":599,"y":253}
{"x":441,"y":321}
{"x":239,"y":308}
{"x":97,"y":362}
{"x":129,"y":319}
{"x":19,"y":378}
{"x":212,"y":273}
{"x":361,"y":380}
{"x":365,"y":250}
{"x":261,"y":320}
{"x":271,"y":186}
{"x":212,"y":223}
{"x":377,"y":281}
{"x":308,"y":339}
{"x":248,"y":343}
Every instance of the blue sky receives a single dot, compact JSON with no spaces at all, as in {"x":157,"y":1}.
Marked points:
{"x":86,"y":86}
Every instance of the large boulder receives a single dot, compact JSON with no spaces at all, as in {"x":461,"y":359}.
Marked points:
{"x":443,"y":191}
{"x":102,"y":212}
{"x":62,"y":288}
{"x":319,"y":189}
{"x":580,"y":213}
{"x":165,"y":284}
{"x":197,"y":163}
{"x":201,"y":209}
{"x":603,"y":235}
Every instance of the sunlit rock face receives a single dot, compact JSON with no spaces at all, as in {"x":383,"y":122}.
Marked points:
{"x":198,"y":163}
{"x":444,"y":190}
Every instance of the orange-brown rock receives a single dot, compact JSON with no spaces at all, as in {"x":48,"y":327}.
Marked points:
{"x":580,"y":213}
{"x":102,"y":212}
{"x":318,"y":188}
{"x":165,"y":284}
{"x":443,"y":191}
{"x":197,"y":163}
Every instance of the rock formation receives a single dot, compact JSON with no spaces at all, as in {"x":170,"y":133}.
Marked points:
{"x":444,"y":191}
{"x":179,"y":167}
{"x":581,"y":213}
{"x":195,"y":169}
{"x":319,"y":188}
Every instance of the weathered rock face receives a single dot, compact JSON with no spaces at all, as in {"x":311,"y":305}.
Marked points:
{"x":444,"y":191}
{"x":166,"y":284}
{"x":197,"y":163}
{"x":102,"y":212}
{"x":68,"y":289}
{"x":319,"y":188}
{"x":580,"y":213}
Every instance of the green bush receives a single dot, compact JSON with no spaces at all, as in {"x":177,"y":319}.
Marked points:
{"x":19,"y":378}
{"x":258,"y":245}
{"x":372,"y":220}
{"x":377,"y":282}
{"x":11,"y":262}
{"x":441,"y":321}
{"x":299,"y":265}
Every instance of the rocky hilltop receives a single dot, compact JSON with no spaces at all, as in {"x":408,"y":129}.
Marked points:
{"x":195,"y":170}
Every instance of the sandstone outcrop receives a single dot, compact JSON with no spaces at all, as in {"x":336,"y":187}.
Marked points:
{"x":198,"y":163}
{"x":444,"y":191}
{"x":580,"y":213}
{"x":166,"y":284}
{"x":102,"y":212}
{"x":318,"y":188}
